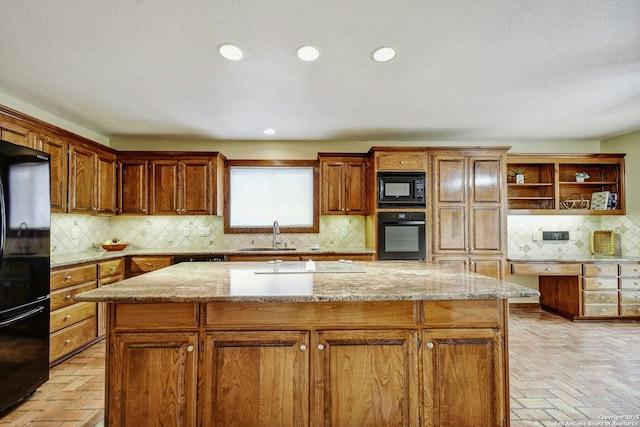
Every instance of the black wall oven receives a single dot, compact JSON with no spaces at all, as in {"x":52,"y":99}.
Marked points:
{"x":402,"y":236}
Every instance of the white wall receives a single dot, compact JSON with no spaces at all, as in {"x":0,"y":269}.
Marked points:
{"x":630,"y":144}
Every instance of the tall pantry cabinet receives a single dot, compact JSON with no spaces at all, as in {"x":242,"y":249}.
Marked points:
{"x":468,"y":200}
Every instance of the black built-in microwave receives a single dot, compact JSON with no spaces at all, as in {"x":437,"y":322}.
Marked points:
{"x":401,"y":189}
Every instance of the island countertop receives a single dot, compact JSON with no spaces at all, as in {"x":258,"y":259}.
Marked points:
{"x":240,"y":281}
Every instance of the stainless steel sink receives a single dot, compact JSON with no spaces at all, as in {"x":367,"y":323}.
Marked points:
{"x":265,"y":249}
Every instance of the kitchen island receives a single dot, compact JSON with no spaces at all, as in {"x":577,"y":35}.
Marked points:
{"x":368,"y":343}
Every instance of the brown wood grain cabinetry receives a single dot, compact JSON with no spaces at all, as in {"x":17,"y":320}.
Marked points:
{"x":137,"y":265}
{"x":16,"y":134}
{"x":344,"y":185}
{"x":92,"y":181}
{"x":468,"y":225}
{"x":400,"y":160}
{"x":549,"y":184}
{"x":109,"y":272}
{"x":376,"y":362}
{"x":58,"y":157}
{"x":72,"y":325}
{"x":133,"y":188}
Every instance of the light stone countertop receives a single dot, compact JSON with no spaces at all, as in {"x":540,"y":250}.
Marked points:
{"x":238,"y":281}
{"x":574,"y":258}
{"x":102,"y":255}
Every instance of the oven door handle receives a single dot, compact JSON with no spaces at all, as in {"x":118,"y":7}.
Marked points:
{"x":22,"y":316}
{"x":403,"y":223}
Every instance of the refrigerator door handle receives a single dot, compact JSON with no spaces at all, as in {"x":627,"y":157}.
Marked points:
{"x":22,"y":316}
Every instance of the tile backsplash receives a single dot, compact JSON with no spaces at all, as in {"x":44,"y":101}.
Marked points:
{"x":521,"y":229}
{"x":81,"y":233}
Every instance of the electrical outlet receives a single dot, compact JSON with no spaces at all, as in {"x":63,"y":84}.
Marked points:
{"x":74,"y":232}
{"x":185,"y":231}
{"x":204,"y":231}
{"x":343,"y":232}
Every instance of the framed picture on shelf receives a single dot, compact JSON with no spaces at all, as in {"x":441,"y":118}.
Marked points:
{"x":600,"y":200}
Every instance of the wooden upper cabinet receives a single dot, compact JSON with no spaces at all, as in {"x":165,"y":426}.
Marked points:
{"x":400,"y":161}
{"x":344,"y":186}
{"x":195,"y":187}
{"x":163,"y":187}
{"x":57,"y":149}
{"x":133,"y":188}
{"x":82,"y":172}
{"x":15,"y":134}
{"x":547,"y":183}
{"x":92,"y":181}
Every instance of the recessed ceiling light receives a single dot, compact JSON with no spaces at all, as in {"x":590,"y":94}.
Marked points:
{"x":231,"y":52}
{"x":308,"y":53}
{"x":384,"y":54}
{"x":268,"y":131}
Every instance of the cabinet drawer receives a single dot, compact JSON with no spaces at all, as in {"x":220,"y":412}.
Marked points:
{"x":64,"y":297}
{"x":72,"y":338}
{"x":401,"y":161}
{"x":73,"y":314}
{"x":630,"y":270}
{"x":109,"y":280}
{"x":542,"y":269}
{"x":470,"y":313}
{"x":141,"y":265}
{"x":72,"y":276}
{"x":600,"y":297}
{"x":630,"y":283}
{"x":156,"y":316}
{"x":606,"y":310}
{"x":629,"y":297}
{"x":111,"y":268}
{"x":595,"y":283}
{"x":630,"y":310}
{"x":600,"y":270}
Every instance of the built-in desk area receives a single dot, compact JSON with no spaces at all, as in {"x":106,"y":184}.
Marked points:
{"x":586,"y":288}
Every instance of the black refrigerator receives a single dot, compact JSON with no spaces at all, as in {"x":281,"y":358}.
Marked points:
{"x":25,"y":221}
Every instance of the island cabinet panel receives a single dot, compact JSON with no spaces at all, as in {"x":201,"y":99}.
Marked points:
{"x":158,"y":316}
{"x":152,"y":380}
{"x":464,"y":313}
{"x":256,"y":379}
{"x":366,"y":378}
{"x":463,"y":377}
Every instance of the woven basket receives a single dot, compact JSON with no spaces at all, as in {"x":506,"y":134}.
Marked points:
{"x":602,"y":242}
{"x":571,"y":202}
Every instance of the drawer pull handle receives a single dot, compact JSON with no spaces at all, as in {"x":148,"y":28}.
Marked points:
{"x":68,"y":296}
{"x":303,"y":347}
{"x":67,"y":277}
{"x":67,"y":341}
{"x":67,"y":317}
{"x":189,"y":348}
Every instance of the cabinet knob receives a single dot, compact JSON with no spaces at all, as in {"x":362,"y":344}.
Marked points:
{"x":67,"y":277}
{"x":68,"y":296}
{"x":547,"y":269}
{"x":602,"y":310}
{"x":320,"y":346}
{"x":602,"y":298}
{"x":113,"y":268}
{"x":189,"y":348}
{"x":600,"y":269}
{"x":67,"y":317}
{"x":429,"y":345}
{"x":402,"y":162}
{"x":67,"y":341}
{"x":636,"y":296}
{"x":636,"y":283}
{"x":303,"y":347}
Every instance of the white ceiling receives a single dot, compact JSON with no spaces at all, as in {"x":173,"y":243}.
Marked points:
{"x":465,"y":70}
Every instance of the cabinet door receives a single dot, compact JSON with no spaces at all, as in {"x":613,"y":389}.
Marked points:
{"x":81,"y":179}
{"x":105,"y":191}
{"x":152,"y":379}
{"x":463,"y":376}
{"x":449,"y":205}
{"x":195,"y":187}
{"x":164,"y":187}
{"x":256,"y":379}
{"x":366,"y":378}
{"x":57,"y":150}
{"x":492,"y":267}
{"x":356,"y":188}
{"x":333,"y":185}
{"x":133,"y":193}
{"x":486,"y":225}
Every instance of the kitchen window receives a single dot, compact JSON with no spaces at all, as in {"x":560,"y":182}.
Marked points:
{"x":259,"y":192}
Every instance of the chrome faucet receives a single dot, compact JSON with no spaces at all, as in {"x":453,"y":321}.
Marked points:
{"x":24,"y":238}
{"x":276,"y":232}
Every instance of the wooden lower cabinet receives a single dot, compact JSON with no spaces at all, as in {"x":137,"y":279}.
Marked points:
{"x":258,"y":378}
{"x":488,"y":266}
{"x":379,"y":363}
{"x":463,"y":377}
{"x":153,"y":379}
